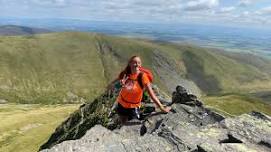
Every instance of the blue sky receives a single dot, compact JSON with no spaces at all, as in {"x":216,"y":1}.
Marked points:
{"x":223,"y":12}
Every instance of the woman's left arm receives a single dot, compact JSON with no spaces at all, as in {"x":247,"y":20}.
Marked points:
{"x":155,"y":99}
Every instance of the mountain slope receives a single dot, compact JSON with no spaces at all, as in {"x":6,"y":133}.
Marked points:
{"x":10,"y":30}
{"x":58,"y":67}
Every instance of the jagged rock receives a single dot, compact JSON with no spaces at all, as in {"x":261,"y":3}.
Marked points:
{"x":186,"y":128}
{"x":183,"y":97}
{"x":90,"y":114}
{"x":100,"y":139}
{"x":87,"y":116}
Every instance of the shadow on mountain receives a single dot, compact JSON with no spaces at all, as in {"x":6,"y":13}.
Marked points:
{"x":195,"y":72}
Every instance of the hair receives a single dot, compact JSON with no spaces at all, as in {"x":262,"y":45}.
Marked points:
{"x":127,"y":69}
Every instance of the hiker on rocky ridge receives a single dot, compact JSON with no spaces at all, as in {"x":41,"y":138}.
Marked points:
{"x":134,"y":79}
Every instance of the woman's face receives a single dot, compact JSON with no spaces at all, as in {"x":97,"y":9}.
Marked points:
{"x":135,"y":64}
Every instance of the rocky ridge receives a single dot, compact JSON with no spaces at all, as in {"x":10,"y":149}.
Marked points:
{"x":188,"y":127}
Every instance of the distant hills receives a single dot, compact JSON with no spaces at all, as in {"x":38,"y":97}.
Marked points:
{"x":254,"y":40}
{"x":54,"y":67}
{"x":11,"y":30}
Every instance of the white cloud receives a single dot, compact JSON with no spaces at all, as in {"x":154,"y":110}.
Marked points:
{"x":266,"y":11}
{"x":246,"y":3}
{"x":227,"y":9}
{"x":140,"y":10}
{"x":60,"y":1}
{"x":197,"y":5}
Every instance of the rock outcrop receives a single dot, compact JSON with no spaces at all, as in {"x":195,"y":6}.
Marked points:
{"x":188,"y":127}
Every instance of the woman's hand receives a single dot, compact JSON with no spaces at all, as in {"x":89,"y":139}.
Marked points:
{"x":156,"y":100}
{"x":165,"y":109}
{"x":122,"y":81}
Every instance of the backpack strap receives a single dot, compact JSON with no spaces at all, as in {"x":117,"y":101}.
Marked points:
{"x":139,"y":79}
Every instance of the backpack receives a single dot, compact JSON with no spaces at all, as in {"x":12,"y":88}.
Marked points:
{"x":147,"y":72}
{"x":145,"y":96}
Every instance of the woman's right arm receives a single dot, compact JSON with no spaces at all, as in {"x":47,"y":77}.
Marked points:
{"x":156,"y":100}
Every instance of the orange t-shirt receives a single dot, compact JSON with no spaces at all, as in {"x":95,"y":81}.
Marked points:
{"x":131,"y":93}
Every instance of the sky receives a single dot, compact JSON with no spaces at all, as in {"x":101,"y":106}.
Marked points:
{"x":219,"y":12}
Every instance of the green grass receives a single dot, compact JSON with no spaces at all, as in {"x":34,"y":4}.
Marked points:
{"x":24,"y":127}
{"x":44,"y":68}
{"x":236,"y":104}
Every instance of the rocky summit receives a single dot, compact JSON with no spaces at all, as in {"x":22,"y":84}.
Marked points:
{"x":188,"y":127}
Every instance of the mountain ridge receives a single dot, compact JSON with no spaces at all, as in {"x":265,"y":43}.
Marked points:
{"x":190,"y":126}
{"x":14,"y":30}
{"x":70,"y":67}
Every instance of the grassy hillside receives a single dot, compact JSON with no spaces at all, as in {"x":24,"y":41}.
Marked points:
{"x":25,"y":127}
{"x":236,"y":104}
{"x":55,"y":67}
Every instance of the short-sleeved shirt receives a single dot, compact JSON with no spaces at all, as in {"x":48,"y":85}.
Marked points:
{"x":131,"y":93}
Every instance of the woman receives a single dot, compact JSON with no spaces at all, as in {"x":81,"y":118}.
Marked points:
{"x":129,"y":98}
